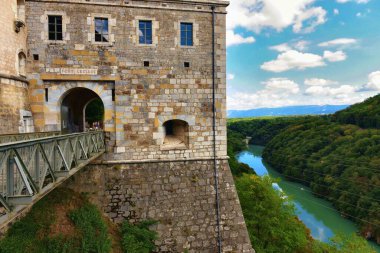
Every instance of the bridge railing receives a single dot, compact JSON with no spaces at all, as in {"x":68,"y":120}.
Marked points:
{"x":28,"y":168}
{"x":9,"y":138}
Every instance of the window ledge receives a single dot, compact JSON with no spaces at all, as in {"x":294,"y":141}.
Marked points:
{"x":56,"y":42}
{"x":105,"y":44}
{"x":166,"y":147}
{"x":146,"y":45}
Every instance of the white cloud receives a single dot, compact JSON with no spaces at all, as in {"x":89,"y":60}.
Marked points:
{"x":339,"y":92}
{"x":357,"y":1}
{"x":318,"y":15}
{"x":255,"y":15}
{"x":373,"y":81}
{"x":281,"y":47}
{"x":293,"y":60}
{"x":319,"y":82}
{"x":275,"y":93}
{"x":236,"y":39}
{"x":342,"y":95}
{"x":336,"y":12}
{"x":300,"y":45}
{"x":334,"y":56}
{"x":338,"y":42}
{"x":230,"y":76}
{"x":281,"y":85}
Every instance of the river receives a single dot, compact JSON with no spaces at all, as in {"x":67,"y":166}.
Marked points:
{"x":317,"y":214}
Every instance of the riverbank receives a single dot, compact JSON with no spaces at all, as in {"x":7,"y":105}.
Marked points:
{"x":317,"y":214}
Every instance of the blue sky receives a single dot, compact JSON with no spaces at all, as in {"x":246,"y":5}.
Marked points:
{"x":302,"y":52}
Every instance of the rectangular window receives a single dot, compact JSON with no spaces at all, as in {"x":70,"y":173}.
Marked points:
{"x":55,"y":27}
{"x":186,"y":34}
{"x":101,"y":30}
{"x":145,"y":32}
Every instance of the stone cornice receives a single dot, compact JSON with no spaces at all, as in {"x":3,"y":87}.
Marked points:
{"x":16,"y":78}
{"x":110,"y":162}
{"x":145,"y":4}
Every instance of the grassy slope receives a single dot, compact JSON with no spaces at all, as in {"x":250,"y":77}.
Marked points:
{"x":63,"y":221}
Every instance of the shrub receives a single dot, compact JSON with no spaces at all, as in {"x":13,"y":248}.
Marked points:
{"x":138,"y":237}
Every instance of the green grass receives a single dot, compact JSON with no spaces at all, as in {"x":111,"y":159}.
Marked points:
{"x":84,"y":230}
{"x":65,"y":221}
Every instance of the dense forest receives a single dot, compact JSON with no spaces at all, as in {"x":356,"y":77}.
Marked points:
{"x":365,"y":115}
{"x":271,"y":219}
{"x":337,"y":156}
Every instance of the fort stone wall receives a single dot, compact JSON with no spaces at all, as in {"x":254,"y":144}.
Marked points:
{"x":179,"y":195}
{"x":177,"y":84}
{"x":15,"y":114}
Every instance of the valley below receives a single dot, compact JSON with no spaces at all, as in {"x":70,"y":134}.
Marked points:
{"x":318,"y":215}
{"x":321,"y":170}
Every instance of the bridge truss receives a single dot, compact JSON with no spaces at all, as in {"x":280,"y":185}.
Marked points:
{"x":30,"y":169}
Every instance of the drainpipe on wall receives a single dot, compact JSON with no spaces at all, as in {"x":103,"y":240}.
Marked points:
{"x":216,"y":173}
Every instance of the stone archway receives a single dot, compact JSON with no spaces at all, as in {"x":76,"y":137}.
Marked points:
{"x":57,"y":91}
{"x":74,"y":103}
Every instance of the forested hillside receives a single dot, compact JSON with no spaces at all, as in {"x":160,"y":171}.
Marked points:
{"x":271,"y":219}
{"x":263,"y":130}
{"x":365,"y":115}
{"x":339,"y":161}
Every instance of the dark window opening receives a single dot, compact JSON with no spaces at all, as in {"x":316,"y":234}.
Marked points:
{"x":113,"y":95}
{"x":176,"y":134}
{"x":55,"y":27}
{"x":36,"y":57}
{"x":101,"y":30}
{"x":145,"y":32}
{"x":186,"y":34}
{"x":146,"y":63}
{"x":46,"y":95}
{"x":186,"y":64}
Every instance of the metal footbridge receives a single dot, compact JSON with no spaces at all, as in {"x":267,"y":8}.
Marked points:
{"x":31,"y":165}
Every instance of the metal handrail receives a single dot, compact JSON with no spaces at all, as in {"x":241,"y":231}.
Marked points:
{"x":28,"y":168}
{"x":24,"y":143}
{"x":10,"y":138}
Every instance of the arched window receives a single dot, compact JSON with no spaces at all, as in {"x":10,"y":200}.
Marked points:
{"x":21,"y":64}
{"x":176,"y":134}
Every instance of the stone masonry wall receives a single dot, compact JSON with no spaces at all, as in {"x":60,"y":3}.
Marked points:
{"x":146,"y":97}
{"x":179,"y":195}
{"x":11,"y":43}
{"x":13,"y":103}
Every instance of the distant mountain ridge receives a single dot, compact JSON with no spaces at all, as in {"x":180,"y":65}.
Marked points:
{"x":286,"y":111}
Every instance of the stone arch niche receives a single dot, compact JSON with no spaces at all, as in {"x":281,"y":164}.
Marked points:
{"x":73,"y":108}
{"x":57,"y":92}
{"x":176,"y":134}
{"x":21,"y":64}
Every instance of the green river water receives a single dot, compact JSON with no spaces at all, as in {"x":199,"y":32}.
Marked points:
{"x":317,"y":214}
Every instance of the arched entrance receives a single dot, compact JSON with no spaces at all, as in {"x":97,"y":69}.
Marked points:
{"x":81,"y":109}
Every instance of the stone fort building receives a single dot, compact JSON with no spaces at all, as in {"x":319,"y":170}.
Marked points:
{"x":158,"y":70}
